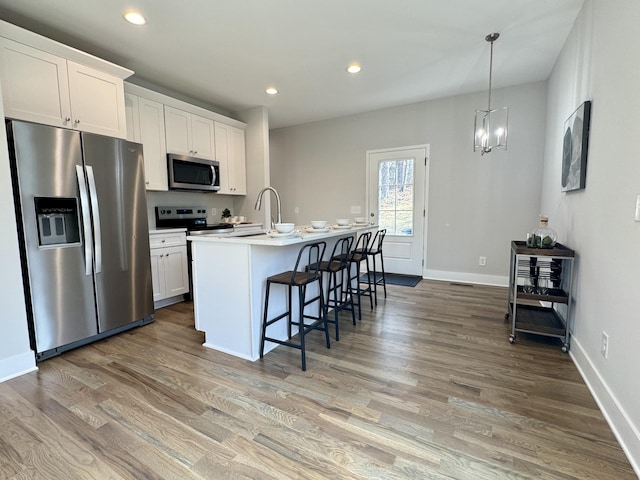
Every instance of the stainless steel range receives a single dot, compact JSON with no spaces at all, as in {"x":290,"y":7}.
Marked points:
{"x":194,"y":219}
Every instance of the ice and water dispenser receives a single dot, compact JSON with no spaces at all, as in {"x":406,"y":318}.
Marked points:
{"x":57,"y":221}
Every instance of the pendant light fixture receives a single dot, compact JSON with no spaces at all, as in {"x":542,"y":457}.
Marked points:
{"x":490,"y":125}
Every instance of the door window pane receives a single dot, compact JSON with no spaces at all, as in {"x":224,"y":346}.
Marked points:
{"x":395,"y":196}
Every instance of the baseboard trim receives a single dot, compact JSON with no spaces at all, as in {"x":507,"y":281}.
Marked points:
{"x":17,"y":365}
{"x":626,"y":433}
{"x":494,"y":280}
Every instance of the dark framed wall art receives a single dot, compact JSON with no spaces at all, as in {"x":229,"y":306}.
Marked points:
{"x":574,"y":148}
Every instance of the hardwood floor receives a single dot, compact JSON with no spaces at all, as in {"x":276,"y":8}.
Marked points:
{"x":424,"y":387}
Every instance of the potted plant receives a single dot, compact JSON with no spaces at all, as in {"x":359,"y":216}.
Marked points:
{"x":226,"y":215}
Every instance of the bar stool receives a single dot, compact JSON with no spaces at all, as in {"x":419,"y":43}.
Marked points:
{"x":356,"y":257}
{"x":300,"y":277}
{"x":337,"y":269}
{"x":376,"y":249}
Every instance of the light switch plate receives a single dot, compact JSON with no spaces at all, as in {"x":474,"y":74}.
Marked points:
{"x":637,"y":217}
{"x":356,"y":209}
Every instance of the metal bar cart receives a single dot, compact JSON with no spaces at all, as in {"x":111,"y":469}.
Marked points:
{"x":540,"y":291}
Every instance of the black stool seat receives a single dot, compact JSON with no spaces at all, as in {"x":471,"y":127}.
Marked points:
{"x":300,"y":277}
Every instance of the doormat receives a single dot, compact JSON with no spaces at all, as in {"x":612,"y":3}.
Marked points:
{"x":395,"y":279}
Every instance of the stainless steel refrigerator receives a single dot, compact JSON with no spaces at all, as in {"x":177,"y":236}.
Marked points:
{"x":82,"y":220}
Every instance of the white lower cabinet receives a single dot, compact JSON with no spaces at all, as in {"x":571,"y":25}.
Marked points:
{"x":169,"y":272}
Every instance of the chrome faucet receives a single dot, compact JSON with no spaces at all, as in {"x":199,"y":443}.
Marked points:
{"x":259,"y":201}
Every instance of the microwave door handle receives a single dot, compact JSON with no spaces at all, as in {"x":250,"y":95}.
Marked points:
{"x":213,"y":175}
{"x":95,"y":210}
{"x":86,"y":220}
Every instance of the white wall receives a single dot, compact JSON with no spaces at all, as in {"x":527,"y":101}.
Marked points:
{"x":600,"y":63}
{"x":16,"y":356}
{"x":477,"y":204}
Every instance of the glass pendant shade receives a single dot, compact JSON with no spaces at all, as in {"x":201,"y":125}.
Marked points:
{"x":490,"y":125}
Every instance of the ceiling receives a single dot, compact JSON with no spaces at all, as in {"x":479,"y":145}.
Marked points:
{"x":224,"y":53}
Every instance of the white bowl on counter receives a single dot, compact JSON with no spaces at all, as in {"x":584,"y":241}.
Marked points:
{"x":360,"y":220}
{"x":284,"y":227}
{"x":342,"y":221}
{"x":319,"y":224}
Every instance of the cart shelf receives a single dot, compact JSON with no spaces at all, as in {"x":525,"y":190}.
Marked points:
{"x":541,"y":320}
{"x":555,"y":295}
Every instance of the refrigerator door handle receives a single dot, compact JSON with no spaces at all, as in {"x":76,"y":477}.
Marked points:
{"x":86,"y":221}
{"x":95,"y":210}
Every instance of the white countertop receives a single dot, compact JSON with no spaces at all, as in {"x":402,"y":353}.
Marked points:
{"x":303,"y":236}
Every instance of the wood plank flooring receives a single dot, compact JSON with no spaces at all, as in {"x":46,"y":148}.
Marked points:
{"x":426,"y":386}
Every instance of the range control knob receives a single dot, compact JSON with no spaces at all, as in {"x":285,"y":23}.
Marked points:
{"x":162,"y":212}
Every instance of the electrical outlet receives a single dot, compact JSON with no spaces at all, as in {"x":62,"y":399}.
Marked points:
{"x":214,"y":211}
{"x":296,"y":210}
{"x":482,"y":262}
{"x":604,"y":347}
{"x":356,"y":210}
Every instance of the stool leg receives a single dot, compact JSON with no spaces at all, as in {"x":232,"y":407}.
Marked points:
{"x":301,"y":329}
{"x":336,"y":302}
{"x":384,"y":279}
{"x":321,"y":310}
{"x":375,"y":277}
{"x":290,"y":313}
{"x":357,"y":281}
{"x":264,"y":319}
{"x":346,"y":292}
{"x":369,"y":283}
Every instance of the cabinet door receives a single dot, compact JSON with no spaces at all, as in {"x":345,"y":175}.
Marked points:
{"x":133,"y":118}
{"x":152,"y":137}
{"x":222,"y":156}
{"x":34,"y":85}
{"x":176,"y":276}
{"x":203,"y":144}
{"x":178,"y":131}
{"x":230,"y":152}
{"x":157,"y":275}
{"x":97,"y":101}
{"x":237,"y":161}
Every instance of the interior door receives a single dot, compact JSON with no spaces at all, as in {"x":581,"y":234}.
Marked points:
{"x":397,"y":193}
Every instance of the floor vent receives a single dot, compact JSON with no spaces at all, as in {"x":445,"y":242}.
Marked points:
{"x":461,"y":284}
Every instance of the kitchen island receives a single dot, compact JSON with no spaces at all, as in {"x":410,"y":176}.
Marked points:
{"x":229,"y":277}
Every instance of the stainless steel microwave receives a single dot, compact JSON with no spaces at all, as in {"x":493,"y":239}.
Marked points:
{"x":190,"y":173}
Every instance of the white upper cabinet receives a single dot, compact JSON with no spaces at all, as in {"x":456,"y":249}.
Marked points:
{"x":145,"y":124}
{"x":97,"y":101}
{"x":41,"y":87}
{"x":230,"y":152}
{"x":189,"y":134}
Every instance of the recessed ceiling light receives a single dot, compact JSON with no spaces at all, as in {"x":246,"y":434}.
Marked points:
{"x":135,"y":17}
{"x":271,"y":90}
{"x":354,"y":68}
